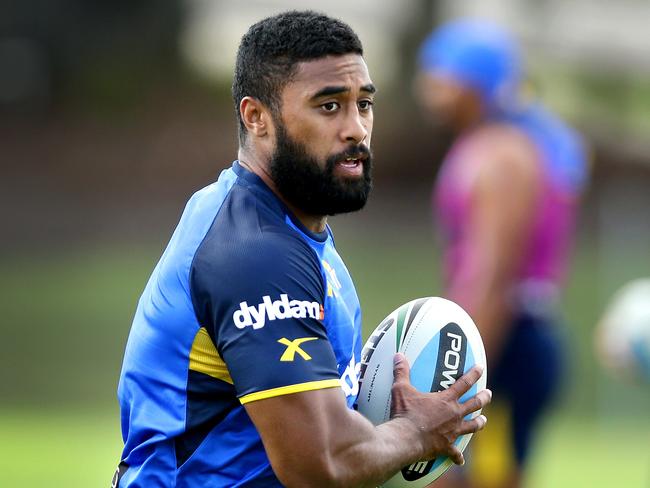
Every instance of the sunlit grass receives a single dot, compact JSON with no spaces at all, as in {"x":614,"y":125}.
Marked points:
{"x":77,"y":448}
{"x":65,"y":320}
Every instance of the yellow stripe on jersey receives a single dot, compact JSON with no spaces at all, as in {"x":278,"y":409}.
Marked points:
{"x":493,"y":453}
{"x":286,"y":390}
{"x":204,"y":357}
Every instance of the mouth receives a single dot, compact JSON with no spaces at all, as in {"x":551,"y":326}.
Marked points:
{"x":352,"y":165}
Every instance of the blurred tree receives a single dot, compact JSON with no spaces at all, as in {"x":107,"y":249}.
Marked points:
{"x":97,"y":51}
{"x":426,"y":144}
{"x":421,"y":19}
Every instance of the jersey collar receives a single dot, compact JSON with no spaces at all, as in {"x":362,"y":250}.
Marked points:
{"x":254,"y":180}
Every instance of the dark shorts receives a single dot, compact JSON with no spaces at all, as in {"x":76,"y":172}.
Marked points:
{"x":527,"y":377}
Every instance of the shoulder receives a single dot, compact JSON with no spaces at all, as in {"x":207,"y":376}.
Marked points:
{"x":250,"y":247}
{"x":508,"y":144}
{"x":568,"y":153}
{"x":508,"y":156}
{"x":252,"y":242}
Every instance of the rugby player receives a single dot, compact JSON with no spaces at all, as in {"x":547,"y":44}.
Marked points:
{"x":506,"y":198}
{"x":242,"y":362}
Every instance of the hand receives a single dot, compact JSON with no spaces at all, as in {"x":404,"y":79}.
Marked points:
{"x":438,"y":417}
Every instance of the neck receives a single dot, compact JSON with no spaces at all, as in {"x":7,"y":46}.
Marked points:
{"x":470,"y":112}
{"x":468,"y":120}
{"x":259,"y":166}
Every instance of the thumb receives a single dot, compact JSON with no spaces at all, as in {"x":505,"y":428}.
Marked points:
{"x":401,"y":369}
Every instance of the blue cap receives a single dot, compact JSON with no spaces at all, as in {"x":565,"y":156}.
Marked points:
{"x":478,"y":54}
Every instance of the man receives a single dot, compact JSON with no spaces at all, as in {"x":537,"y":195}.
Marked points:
{"x":506,"y":196}
{"x":242,"y":361}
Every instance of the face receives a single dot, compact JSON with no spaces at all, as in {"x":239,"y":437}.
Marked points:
{"x":448,"y":101}
{"x":322,"y":162}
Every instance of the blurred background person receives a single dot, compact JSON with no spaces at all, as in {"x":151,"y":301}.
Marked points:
{"x":506,"y":199}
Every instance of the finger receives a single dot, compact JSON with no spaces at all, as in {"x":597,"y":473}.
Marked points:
{"x":471,"y":426}
{"x":401,"y":369}
{"x":456,"y":456}
{"x":478,"y":401}
{"x":465,"y":382}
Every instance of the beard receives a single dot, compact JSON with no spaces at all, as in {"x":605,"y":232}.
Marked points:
{"x":313,"y":189}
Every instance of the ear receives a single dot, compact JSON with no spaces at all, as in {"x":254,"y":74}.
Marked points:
{"x":255,"y":115}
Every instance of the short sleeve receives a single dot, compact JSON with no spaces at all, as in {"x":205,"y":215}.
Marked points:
{"x":262,"y":302}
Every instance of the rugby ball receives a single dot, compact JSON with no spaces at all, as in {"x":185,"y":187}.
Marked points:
{"x":441,"y":343}
{"x":623,"y":333}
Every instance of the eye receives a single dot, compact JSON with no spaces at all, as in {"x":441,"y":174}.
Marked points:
{"x":365,"y":105}
{"x":330,"y":106}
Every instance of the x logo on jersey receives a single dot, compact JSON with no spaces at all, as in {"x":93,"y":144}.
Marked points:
{"x":293,"y":347}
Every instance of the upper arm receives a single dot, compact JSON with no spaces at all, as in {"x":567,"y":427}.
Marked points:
{"x":504,"y":199}
{"x":307,"y":426}
{"x":262,"y":304}
{"x":266,"y":318}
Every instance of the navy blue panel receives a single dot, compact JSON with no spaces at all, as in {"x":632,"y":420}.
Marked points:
{"x":209,"y":400}
{"x":257,"y":286}
{"x":281,"y":308}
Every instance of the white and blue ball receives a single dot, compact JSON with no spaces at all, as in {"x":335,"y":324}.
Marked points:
{"x":623,"y":337}
{"x":441,"y":343}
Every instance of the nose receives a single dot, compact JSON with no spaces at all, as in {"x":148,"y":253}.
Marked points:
{"x":354,"y":128}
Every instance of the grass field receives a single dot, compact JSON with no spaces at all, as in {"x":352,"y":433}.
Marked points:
{"x":583,"y":453}
{"x":79,"y":449}
{"x":65,"y":318}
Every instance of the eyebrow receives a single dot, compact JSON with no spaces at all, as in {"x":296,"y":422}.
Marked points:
{"x":335,"y":90}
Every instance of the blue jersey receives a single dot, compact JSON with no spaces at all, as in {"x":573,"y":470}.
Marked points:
{"x":244,"y":304}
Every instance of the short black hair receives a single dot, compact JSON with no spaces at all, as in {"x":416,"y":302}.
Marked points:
{"x":270,"y":50}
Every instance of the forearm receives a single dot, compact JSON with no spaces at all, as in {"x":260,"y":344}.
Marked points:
{"x":486,"y":298}
{"x":374,"y":454}
{"x":314,"y":440}
{"x":423,"y":426}
{"x":493,"y":316}
{"x":362,"y":455}
{"x":331,"y":446}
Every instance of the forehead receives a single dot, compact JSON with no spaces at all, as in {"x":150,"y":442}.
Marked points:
{"x":349,"y":70}
{"x":441,"y":79}
{"x":441,"y":85}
